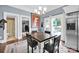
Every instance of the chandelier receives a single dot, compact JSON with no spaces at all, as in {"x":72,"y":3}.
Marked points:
{"x":40,"y":10}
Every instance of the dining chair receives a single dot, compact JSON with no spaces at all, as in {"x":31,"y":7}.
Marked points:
{"x":54,"y":47}
{"x":48,"y":32}
{"x":34,"y":31}
{"x":32,"y":43}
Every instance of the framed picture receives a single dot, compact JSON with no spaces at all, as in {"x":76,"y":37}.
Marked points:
{"x":35,"y":20}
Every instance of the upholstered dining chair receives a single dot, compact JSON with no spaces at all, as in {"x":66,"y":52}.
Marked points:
{"x":30,"y":42}
{"x":54,"y":47}
{"x":48,"y":32}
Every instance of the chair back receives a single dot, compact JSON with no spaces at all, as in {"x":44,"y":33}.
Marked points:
{"x":48,"y":32}
{"x":56,"y":43}
{"x":29,"y":39}
{"x":34,"y":31}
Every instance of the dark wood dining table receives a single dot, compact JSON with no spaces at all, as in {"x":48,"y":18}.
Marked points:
{"x":41,"y":37}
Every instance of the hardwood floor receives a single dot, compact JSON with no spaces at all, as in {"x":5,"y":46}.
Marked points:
{"x":10,"y":40}
{"x":21,"y":46}
{"x":2,"y":47}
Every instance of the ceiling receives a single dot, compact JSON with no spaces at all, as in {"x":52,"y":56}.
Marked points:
{"x":31,"y":8}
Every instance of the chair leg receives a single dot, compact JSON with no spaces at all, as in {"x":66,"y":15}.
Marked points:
{"x":35,"y":47}
{"x":32,"y":49}
{"x":27,"y":48}
{"x":43,"y":50}
{"x":58,"y":50}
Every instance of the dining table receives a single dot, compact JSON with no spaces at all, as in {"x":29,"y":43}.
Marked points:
{"x":41,"y":37}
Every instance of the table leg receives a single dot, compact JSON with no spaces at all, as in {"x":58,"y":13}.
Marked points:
{"x":27,"y":48}
{"x":39,"y":45}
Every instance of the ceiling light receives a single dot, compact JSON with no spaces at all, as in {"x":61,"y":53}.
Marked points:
{"x":43,"y":12}
{"x":40,"y":8}
{"x":45,"y":9}
{"x":35,"y":11}
{"x":38,"y":12}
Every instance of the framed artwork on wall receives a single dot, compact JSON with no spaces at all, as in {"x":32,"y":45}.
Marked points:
{"x":35,"y":20}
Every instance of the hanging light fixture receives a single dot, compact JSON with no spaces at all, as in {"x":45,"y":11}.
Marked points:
{"x":35,"y":10}
{"x":40,"y":10}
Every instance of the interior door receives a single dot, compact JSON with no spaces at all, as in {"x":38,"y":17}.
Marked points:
{"x":10,"y":27}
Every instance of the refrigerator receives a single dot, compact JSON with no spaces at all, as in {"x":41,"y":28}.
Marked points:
{"x":72,"y":30}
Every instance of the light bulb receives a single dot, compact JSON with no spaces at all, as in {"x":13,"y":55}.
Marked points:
{"x":40,"y":8}
{"x":43,"y":12}
{"x":35,"y":11}
{"x":45,"y":9}
{"x":38,"y":12}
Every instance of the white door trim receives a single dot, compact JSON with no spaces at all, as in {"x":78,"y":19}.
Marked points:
{"x":16,"y":16}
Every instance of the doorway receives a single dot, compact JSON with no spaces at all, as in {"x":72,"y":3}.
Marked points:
{"x":10,"y":27}
{"x":25,"y":26}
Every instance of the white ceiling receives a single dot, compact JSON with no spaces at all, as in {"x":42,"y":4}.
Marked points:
{"x":31,"y":8}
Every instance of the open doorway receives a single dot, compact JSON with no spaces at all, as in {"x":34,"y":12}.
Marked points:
{"x":25,"y":26}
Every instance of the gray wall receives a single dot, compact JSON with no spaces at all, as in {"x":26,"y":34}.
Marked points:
{"x":6,"y":8}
